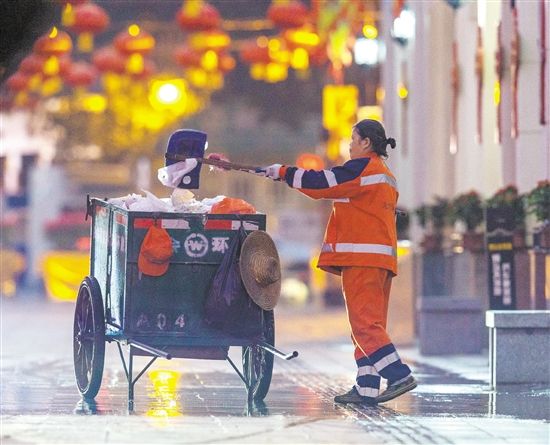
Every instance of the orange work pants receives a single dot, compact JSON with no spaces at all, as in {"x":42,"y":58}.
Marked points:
{"x":367,"y":292}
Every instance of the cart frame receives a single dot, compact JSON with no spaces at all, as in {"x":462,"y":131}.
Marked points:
{"x":111,"y":297}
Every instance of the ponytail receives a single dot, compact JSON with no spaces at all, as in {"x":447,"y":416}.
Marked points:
{"x":372,"y":129}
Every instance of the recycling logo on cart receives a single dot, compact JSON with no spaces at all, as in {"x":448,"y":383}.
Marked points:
{"x":196,"y":245}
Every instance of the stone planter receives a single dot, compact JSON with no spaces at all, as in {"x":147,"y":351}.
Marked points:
{"x":473,"y":242}
{"x":450,"y":325}
{"x":433,"y":274}
{"x":541,"y":237}
{"x":518,"y":239}
{"x":519,"y":346}
{"x":432,"y":243}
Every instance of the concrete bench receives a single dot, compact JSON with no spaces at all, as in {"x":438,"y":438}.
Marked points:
{"x":519,"y":346}
{"x":450,"y":325}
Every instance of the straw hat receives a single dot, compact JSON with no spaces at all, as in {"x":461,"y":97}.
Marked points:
{"x":261,"y":269}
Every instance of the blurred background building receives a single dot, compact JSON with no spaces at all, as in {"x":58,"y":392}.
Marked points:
{"x":91,"y":91}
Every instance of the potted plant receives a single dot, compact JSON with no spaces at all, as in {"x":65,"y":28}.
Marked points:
{"x":440,"y":213}
{"x":509,"y":198}
{"x":422,"y":215}
{"x":538,"y":204}
{"x":432,"y":218}
{"x":467,"y":208}
{"x":428,"y":242}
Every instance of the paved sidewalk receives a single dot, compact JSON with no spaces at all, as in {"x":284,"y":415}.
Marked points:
{"x":453,"y":400}
{"x":451,"y":405}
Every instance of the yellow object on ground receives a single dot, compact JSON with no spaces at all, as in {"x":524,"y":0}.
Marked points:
{"x":63,"y":272}
{"x":11,"y":264}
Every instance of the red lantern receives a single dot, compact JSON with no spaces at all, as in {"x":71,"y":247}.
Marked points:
{"x":80,"y":74}
{"x":134,"y":40}
{"x":187,"y":57}
{"x":89,"y":17}
{"x":310,"y":161}
{"x":226,"y":63}
{"x":206,"y":18}
{"x":55,"y":66}
{"x":32,"y":64}
{"x":108,"y":59}
{"x":18,"y":81}
{"x":56,"y":43}
{"x":251,"y":53}
{"x":65,"y":64}
{"x":318,"y":56}
{"x":291,"y":14}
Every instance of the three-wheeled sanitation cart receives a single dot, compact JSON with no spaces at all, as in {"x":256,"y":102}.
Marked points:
{"x":163,"y":316}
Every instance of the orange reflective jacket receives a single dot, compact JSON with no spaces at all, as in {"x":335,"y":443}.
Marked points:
{"x":361,"y":230}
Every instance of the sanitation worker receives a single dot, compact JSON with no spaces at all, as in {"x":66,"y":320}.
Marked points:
{"x":360,"y":245}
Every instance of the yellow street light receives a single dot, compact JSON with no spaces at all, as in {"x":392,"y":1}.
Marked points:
{"x":370,"y":31}
{"x":168,"y":94}
{"x":402,"y":91}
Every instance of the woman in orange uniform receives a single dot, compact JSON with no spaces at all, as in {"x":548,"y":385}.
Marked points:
{"x":360,"y":244}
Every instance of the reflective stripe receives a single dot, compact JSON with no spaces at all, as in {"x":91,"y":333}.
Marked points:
{"x":387,"y":360}
{"x":297,"y":181}
{"x":365,"y":248}
{"x":340,"y":200}
{"x":366,"y":370}
{"x":331,"y":178}
{"x":367,"y":392}
{"x":379,"y":179}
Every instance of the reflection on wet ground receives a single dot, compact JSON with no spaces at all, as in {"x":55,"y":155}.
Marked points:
{"x":48,"y":388}
{"x":204,"y":401}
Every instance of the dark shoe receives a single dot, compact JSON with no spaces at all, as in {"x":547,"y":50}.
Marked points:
{"x":353,"y":396}
{"x":395,"y":390}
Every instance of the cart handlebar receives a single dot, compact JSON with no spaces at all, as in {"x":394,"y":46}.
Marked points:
{"x":276,"y":352}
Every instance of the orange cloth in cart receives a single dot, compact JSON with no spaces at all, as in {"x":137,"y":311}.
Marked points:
{"x":232,"y":205}
{"x":155,"y":252}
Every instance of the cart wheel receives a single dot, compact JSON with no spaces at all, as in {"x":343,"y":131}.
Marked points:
{"x":89,"y":338}
{"x":258,"y":363}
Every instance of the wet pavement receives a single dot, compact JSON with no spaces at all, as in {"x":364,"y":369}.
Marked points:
{"x":204,"y":401}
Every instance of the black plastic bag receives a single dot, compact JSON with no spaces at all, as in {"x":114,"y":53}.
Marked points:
{"x":228,"y":307}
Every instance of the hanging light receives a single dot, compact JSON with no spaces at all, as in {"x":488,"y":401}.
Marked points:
{"x":404,"y":26}
{"x":366,"y":51}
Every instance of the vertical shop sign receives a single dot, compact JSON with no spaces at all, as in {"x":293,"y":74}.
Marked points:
{"x":479,"y":76}
{"x":499,"y":72}
{"x":514,"y":71}
{"x":502,"y":289}
{"x":455,"y":85}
